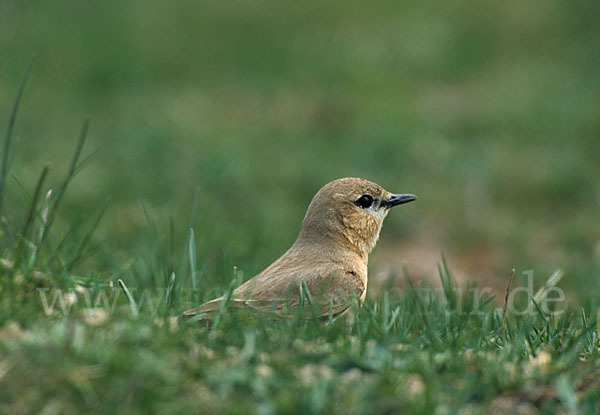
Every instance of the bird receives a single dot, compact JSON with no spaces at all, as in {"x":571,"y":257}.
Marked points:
{"x":328,"y":261}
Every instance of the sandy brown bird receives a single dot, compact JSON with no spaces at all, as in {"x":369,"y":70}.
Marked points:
{"x":329,"y":257}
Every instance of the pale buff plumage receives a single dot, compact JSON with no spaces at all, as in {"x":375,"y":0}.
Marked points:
{"x":329,"y":257}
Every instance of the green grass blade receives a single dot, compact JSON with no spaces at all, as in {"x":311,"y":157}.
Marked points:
{"x":62,"y":190}
{"x":193,"y":267}
{"x":169,"y":291}
{"x":149,"y":220}
{"x":550,"y":283}
{"x":9,"y":132}
{"x":132,"y":306}
{"x":87,"y":238}
{"x":311,"y":304}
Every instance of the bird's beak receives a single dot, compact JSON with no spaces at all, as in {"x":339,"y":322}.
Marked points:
{"x":398,"y":199}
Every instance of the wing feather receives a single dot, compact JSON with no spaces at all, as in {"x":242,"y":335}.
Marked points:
{"x":331,"y":294}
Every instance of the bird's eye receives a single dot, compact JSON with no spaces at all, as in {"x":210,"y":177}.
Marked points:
{"x":365,"y":201}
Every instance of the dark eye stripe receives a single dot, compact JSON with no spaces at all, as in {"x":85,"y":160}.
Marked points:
{"x":365,"y":201}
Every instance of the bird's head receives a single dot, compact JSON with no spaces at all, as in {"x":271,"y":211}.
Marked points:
{"x":350,"y":211}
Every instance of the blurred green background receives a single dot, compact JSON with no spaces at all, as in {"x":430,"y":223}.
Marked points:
{"x":489,"y":111}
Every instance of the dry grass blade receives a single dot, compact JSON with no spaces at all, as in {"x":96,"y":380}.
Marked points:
{"x":30,"y":216}
{"x":510,"y":281}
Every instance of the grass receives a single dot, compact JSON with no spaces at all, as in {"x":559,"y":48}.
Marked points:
{"x":75,"y":344}
{"x":414,"y":353}
{"x":212,"y":125}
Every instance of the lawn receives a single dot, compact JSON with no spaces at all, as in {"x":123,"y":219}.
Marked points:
{"x":161,"y":144}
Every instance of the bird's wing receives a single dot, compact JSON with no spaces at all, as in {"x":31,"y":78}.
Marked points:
{"x":330,"y":294}
{"x":214,"y":305}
